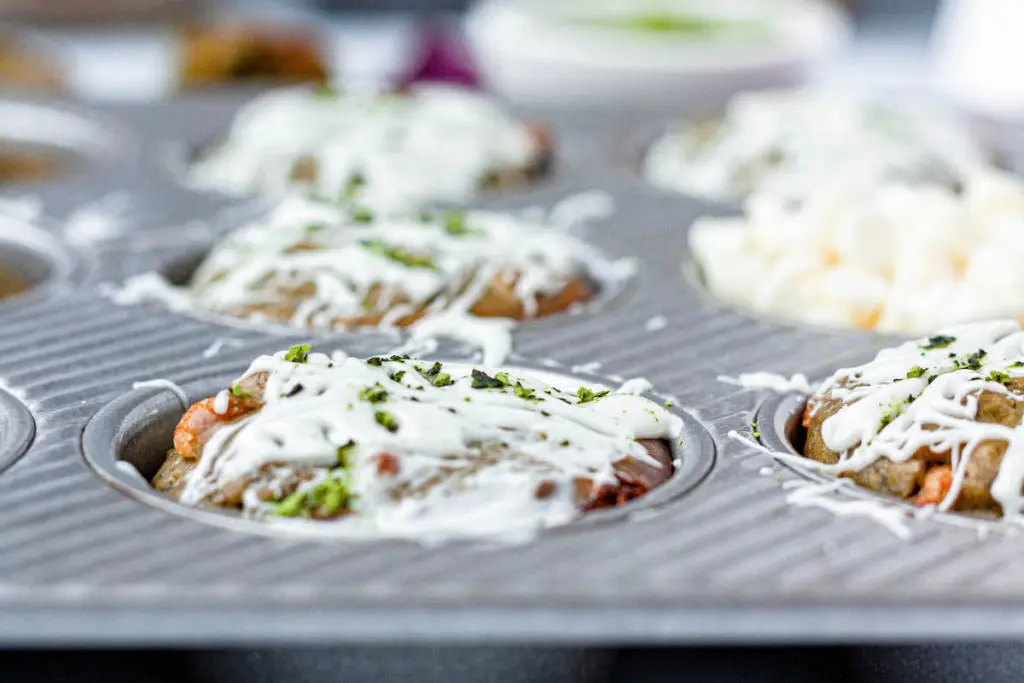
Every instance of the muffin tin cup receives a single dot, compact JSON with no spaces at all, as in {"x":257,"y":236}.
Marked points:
{"x":726,"y":560}
{"x":90,"y":150}
{"x":128,"y":439}
{"x":33,"y":255}
{"x":17,"y":429}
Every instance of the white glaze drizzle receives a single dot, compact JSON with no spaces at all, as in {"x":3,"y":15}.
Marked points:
{"x":811,"y":494}
{"x":752,"y":381}
{"x":556,"y":438}
{"x":218,"y":344}
{"x":788,"y":143}
{"x":656,"y":323}
{"x":924,"y":394}
{"x":435,"y":144}
{"x":840,"y":497}
{"x":161,"y":383}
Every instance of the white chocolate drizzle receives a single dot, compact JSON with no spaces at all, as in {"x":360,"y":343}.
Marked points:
{"x":436,"y":423}
{"x":433,"y":144}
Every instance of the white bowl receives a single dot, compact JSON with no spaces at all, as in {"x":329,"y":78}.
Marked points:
{"x":976,"y":52}
{"x":535,"y":51}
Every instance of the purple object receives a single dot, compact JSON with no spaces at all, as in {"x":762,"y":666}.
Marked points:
{"x":441,"y":57}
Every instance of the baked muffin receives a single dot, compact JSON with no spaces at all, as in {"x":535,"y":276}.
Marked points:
{"x":11,"y":284}
{"x":30,"y":164}
{"x":323,"y":265}
{"x":399,"y":447}
{"x":790,"y":142}
{"x":936,"y":421}
{"x":234,"y":54}
{"x":425,"y":145}
{"x":26,"y":67}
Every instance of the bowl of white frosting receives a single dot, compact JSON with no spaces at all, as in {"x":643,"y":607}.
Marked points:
{"x":629,"y":52}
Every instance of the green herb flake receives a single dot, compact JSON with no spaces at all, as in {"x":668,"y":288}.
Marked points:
{"x":939,"y":341}
{"x":398,"y":376}
{"x":433,"y":370}
{"x":586,"y":395}
{"x":973,"y":361}
{"x":443,"y":380}
{"x":313,"y":227}
{"x":564,"y":443}
{"x":328,"y":498}
{"x":455,"y":224}
{"x":236,"y":390}
{"x":525,"y":393}
{"x":373,"y":394}
{"x":386,"y":420}
{"x":398,"y":254}
{"x":916,"y":371}
{"x":481,"y":380}
{"x":999,"y":377}
{"x":669,"y":404}
{"x":888,"y":417}
{"x":355,"y":182}
{"x":375,"y":361}
{"x":298,"y":353}
{"x":363,"y":215}
{"x":292,"y":506}
{"x":344,"y":452}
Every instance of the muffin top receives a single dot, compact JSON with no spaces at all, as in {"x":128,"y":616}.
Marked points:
{"x":320,"y":265}
{"x":399,"y":149}
{"x":418,"y":446}
{"x":788,"y":143}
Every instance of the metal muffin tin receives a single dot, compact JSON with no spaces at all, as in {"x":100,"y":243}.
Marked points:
{"x":726,"y":561}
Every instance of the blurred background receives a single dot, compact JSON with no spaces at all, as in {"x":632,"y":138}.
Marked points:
{"x":138,"y":50}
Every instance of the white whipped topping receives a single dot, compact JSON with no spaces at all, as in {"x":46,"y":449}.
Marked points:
{"x":434,"y":430}
{"x":434,"y":144}
{"x":896,"y":259}
{"x":924,"y":394}
{"x":789,"y":143}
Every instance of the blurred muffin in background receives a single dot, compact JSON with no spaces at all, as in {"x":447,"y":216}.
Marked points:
{"x":27,"y":66}
{"x":233,"y":53}
{"x":31,"y":163}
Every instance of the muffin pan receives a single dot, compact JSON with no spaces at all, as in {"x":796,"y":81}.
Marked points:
{"x":89,"y":555}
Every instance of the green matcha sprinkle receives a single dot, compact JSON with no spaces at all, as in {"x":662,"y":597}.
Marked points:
{"x":298,"y":353}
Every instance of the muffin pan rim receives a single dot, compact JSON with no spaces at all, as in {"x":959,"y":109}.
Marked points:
{"x":17,"y":429}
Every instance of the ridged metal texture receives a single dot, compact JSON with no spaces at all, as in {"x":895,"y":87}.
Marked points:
{"x":728,"y":561}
